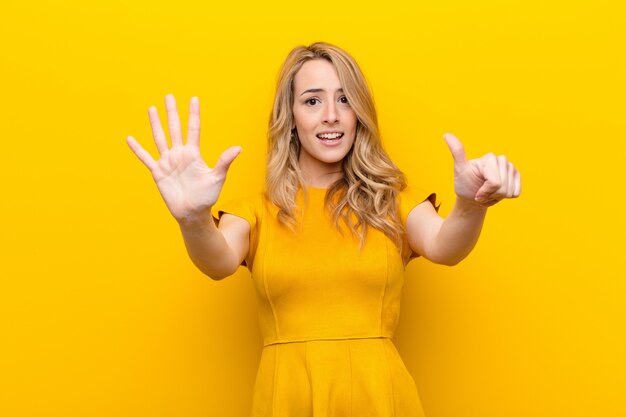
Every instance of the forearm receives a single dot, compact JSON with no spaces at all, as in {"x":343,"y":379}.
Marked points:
{"x":459,"y":232}
{"x":207,"y":248}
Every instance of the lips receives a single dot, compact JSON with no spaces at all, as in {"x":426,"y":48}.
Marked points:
{"x":330,"y":135}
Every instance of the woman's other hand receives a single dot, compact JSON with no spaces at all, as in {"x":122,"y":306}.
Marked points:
{"x":485,"y":180}
{"x":189,"y":187}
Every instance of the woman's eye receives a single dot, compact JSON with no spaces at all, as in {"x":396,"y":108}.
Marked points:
{"x":344,"y":99}
{"x":311,"y":101}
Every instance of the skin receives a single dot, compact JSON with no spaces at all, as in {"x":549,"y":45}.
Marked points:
{"x":321,"y":111}
{"x":190,"y":187}
{"x":478,"y":184}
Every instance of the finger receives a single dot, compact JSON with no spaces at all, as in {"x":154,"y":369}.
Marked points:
{"x":226,"y":158}
{"x":491,"y":173}
{"x":518,"y":184}
{"x":503,"y":169}
{"x":490,"y":202}
{"x":157,"y":131}
{"x":511,"y":178}
{"x":141,"y":153}
{"x":456,"y":147}
{"x":173,"y":121}
{"x":193,"y":128}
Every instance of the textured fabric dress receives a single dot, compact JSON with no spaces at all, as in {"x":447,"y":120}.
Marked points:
{"x":327,"y":313}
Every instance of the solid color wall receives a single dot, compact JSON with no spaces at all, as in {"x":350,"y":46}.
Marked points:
{"x":104,"y":314}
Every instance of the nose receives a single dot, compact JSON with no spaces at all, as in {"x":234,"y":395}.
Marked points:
{"x":330,"y":115}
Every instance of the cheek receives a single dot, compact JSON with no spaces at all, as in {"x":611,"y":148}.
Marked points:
{"x":296,"y":117}
{"x":355,"y":125}
{"x":302,"y":120}
{"x":353,"y":119}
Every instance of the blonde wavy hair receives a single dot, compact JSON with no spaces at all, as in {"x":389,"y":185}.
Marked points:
{"x":367,"y":193}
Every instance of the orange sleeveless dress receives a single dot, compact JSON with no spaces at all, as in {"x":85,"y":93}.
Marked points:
{"x":327,"y":313}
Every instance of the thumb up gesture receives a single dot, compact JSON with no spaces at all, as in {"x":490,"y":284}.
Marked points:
{"x":485,"y":180}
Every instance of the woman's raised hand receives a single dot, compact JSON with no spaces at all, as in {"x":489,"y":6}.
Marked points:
{"x":189,"y":187}
{"x":485,"y":180}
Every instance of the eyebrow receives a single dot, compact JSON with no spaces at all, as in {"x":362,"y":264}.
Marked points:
{"x":317,"y":90}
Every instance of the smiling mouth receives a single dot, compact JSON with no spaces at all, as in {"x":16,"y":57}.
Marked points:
{"x":330,"y":137}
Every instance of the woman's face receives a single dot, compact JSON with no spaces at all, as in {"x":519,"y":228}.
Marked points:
{"x":325,"y":122}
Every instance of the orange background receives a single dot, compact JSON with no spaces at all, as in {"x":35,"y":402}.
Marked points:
{"x":104,"y":314}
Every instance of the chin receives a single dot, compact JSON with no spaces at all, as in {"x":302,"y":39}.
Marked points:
{"x":333,"y":158}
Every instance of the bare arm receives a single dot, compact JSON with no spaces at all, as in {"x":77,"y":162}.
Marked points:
{"x":217,"y":251}
{"x":190,"y":188}
{"x":478,"y":184}
{"x":445,"y":241}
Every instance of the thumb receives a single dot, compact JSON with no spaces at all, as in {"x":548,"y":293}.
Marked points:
{"x":456,"y":148}
{"x":226,"y":158}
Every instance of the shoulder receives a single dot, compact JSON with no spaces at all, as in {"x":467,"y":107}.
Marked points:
{"x":411,"y":197}
{"x":249,"y":206}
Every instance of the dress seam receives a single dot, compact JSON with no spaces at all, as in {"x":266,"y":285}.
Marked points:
{"x":382,"y":301}
{"x":393,"y":402}
{"x":275,"y":383}
{"x":307,"y":367}
{"x":351,"y":384}
{"x":332,"y":339}
{"x":264,"y":275}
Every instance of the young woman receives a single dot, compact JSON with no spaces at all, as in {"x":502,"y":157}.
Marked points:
{"x":329,"y":238}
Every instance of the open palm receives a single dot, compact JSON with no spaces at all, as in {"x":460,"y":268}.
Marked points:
{"x":187,"y":184}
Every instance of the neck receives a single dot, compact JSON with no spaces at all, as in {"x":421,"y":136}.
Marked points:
{"x":321,"y":181}
{"x":321,"y":175}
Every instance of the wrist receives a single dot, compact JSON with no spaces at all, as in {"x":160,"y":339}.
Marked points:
{"x":470,"y":205}
{"x":196,"y":221}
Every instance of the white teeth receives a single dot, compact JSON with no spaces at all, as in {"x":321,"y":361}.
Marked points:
{"x":330,"y":135}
